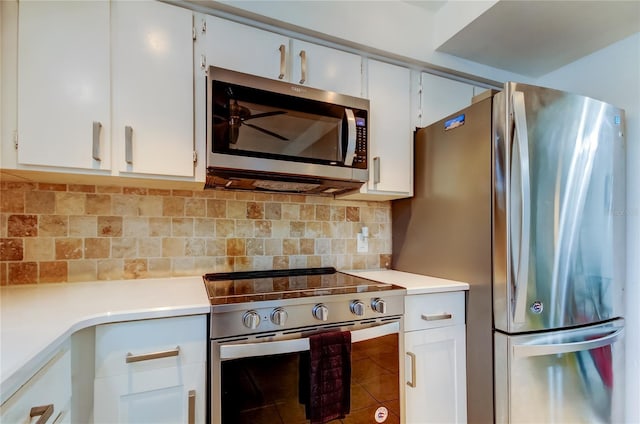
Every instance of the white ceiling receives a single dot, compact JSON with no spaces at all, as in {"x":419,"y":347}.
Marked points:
{"x":534,"y":38}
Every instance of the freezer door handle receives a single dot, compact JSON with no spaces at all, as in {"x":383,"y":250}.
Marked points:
{"x":525,"y":350}
{"x":522,"y":271}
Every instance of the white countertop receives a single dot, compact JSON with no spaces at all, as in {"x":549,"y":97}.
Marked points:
{"x":35,"y":320}
{"x":414,"y":283}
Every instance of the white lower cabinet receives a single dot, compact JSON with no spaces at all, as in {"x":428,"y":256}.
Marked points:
{"x":46,"y":396}
{"x":435,"y":358}
{"x":151,"y":371}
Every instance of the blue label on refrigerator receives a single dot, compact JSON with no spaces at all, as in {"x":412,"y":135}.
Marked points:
{"x":616,"y":119}
{"x":452,"y":123}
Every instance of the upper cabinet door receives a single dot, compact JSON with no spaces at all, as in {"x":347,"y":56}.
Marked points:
{"x":326,"y":68}
{"x":246,"y":49}
{"x":152,"y":71}
{"x":63,"y":84}
{"x":391,"y":140}
{"x":442,"y":97}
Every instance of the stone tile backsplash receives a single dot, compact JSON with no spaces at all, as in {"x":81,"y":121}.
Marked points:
{"x":64,"y":232}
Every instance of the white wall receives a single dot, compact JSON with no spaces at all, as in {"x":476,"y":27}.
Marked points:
{"x":613,"y":75}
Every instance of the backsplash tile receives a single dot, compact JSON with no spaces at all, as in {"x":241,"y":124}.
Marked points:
{"x":51,"y":233}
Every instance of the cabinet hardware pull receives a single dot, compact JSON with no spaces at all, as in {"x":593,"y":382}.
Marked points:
{"x":376,"y":170}
{"x":192,"y":407}
{"x":128,"y":144}
{"x":437,"y":317}
{"x":412,"y":356}
{"x":97,"y":127}
{"x":155,"y":355}
{"x":44,"y":412}
{"x":283,"y":61}
{"x":303,"y":66}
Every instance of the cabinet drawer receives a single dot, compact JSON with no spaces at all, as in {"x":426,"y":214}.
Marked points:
{"x":137,"y":346}
{"x":49,"y":387}
{"x":434,"y":310}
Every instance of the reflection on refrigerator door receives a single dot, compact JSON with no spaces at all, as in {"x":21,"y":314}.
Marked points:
{"x":563,"y":377}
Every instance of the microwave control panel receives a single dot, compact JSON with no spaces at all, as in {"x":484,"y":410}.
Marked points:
{"x":360,"y":158}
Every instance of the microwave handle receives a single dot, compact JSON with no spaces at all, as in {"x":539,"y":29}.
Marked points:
{"x":351,"y":137}
{"x":247,"y":350}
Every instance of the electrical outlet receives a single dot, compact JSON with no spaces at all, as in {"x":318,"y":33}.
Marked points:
{"x":363,"y":243}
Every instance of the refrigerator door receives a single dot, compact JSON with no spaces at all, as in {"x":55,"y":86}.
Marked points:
{"x":558,"y":209}
{"x":567,"y":376}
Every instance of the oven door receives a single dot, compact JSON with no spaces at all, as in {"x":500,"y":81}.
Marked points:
{"x":258,"y":382}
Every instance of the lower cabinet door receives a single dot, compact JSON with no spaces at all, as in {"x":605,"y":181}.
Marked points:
{"x":435,"y":371}
{"x":160,"y":396}
{"x":45,"y":398}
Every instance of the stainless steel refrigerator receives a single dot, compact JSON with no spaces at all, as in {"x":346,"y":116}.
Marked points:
{"x":522,"y":196}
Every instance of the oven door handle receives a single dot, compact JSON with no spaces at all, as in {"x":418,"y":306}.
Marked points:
{"x":246,"y":350}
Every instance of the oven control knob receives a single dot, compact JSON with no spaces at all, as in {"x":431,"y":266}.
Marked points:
{"x":279,"y":316}
{"x":379,"y":305}
{"x":251,"y":319}
{"x":357,"y":307}
{"x":320,"y":312}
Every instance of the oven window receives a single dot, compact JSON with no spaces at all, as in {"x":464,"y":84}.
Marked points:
{"x":253,"y":122}
{"x":266,"y":389}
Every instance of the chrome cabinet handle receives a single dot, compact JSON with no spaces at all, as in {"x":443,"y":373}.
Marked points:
{"x":303,"y":66}
{"x":128,"y":144}
{"x":192,"y":407}
{"x":524,"y":350}
{"x":522,"y":139}
{"x":44,"y":412}
{"x":436,"y":317}
{"x":97,"y":128}
{"x":155,"y":355}
{"x":412,"y":356}
{"x":283,"y":61}
{"x":376,"y":170}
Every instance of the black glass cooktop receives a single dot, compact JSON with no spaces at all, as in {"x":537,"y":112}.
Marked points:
{"x":252,"y":286}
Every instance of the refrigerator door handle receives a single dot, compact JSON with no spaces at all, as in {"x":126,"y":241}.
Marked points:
{"x":524,"y":350}
{"x":522,"y":272}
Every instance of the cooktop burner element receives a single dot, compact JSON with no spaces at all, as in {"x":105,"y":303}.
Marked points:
{"x":258,"y":301}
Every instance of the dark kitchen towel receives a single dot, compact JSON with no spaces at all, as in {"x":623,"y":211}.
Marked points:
{"x":325,"y":376}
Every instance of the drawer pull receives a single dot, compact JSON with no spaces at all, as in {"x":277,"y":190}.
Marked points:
{"x":155,"y":355}
{"x":437,"y":317}
{"x":412,"y":356}
{"x":44,"y":412}
{"x":192,"y":407}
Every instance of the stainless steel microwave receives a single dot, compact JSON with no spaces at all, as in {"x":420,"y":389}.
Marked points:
{"x":269,"y":135}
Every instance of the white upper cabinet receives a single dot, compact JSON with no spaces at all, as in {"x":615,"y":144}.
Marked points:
{"x":390,"y":133}
{"x":254,"y":51}
{"x":246,"y":49}
{"x":441,"y":97}
{"x":63,"y":84}
{"x":152,"y":82}
{"x":326,"y":68}
{"x":106,"y":86}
